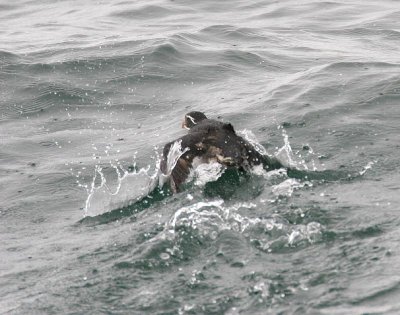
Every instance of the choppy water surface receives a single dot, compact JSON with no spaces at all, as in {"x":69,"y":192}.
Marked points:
{"x":89,"y":94}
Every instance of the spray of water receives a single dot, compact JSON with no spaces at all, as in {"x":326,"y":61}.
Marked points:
{"x":212,"y":217}
{"x":130,"y":187}
{"x":367,"y":167}
{"x":250,"y":137}
{"x":175,"y":152}
{"x":285,"y":153}
{"x":207,"y":172}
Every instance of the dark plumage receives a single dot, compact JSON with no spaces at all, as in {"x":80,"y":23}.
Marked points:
{"x":193,"y":118}
{"x":208,"y":141}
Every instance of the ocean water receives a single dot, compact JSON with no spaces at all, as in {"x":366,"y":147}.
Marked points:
{"x":91,"y":91}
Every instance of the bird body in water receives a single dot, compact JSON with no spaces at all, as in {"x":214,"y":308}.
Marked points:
{"x":211,"y":141}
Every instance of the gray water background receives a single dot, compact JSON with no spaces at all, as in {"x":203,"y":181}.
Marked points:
{"x":105,"y":83}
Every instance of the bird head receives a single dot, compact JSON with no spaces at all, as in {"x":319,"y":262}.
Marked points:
{"x":192,"y":119}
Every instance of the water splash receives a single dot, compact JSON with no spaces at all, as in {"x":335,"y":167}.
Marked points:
{"x":130,"y":187}
{"x":250,"y":137}
{"x":367,"y":167}
{"x":212,"y":217}
{"x":133,"y":186}
{"x":296,"y":159}
{"x":208,"y":172}
{"x":309,"y":232}
{"x":287,"y":187}
{"x":285,"y":153}
{"x":175,"y":152}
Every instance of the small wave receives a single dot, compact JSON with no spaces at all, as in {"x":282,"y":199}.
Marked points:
{"x":7,"y":58}
{"x":5,"y":7}
{"x":145,"y":12}
{"x":279,"y":12}
{"x":347,"y":66}
{"x":37,"y":97}
{"x":241,"y":58}
{"x":212,"y":217}
{"x":165,"y":52}
{"x":232,"y":32}
{"x":51,"y":94}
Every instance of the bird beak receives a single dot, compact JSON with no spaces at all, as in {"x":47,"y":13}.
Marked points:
{"x":184,"y":125}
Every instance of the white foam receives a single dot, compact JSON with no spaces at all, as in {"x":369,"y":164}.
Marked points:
{"x":208,"y":172}
{"x":211,"y":217}
{"x":309,"y":232}
{"x":287,"y":187}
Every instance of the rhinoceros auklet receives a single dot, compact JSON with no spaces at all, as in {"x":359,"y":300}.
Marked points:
{"x":210,"y":141}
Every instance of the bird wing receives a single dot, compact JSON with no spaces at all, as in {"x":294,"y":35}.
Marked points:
{"x":177,"y":160}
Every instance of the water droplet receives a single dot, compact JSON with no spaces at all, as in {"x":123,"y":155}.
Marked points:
{"x":164,"y":256}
